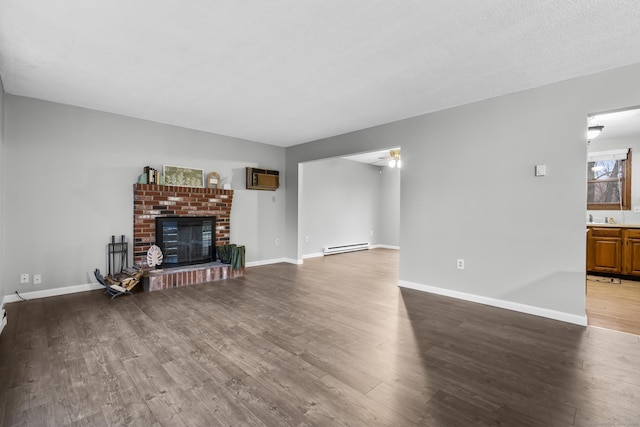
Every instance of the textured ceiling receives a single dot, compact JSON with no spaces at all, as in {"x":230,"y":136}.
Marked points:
{"x":287,"y":72}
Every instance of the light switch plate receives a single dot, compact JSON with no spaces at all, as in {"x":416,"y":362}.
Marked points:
{"x":541,"y":170}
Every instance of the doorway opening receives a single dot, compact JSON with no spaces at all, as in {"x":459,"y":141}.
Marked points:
{"x":613,"y":220}
{"x":348,"y":200}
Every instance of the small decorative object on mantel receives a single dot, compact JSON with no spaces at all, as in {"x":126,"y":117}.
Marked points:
{"x":154,"y":256}
{"x":213,"y":180}
{"x":153,"y":175}
{"x":184,"y":177}
{"x":262,"y":179}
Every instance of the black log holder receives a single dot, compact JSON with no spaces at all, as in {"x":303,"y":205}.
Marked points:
{"x":121,"y":279}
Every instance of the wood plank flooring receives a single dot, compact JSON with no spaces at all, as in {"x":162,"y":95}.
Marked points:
{"x":614,"y":305}
{"x":319,"y":344}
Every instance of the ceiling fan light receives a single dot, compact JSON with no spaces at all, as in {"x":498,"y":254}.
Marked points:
{"x":395,"y":158}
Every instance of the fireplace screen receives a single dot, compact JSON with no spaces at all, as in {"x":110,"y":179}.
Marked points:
{"x":186,"y":240}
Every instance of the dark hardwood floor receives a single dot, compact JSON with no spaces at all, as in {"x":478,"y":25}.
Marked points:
{"x":330,"y":342}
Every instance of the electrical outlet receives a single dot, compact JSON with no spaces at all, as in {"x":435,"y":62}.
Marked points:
{"x":306,"y":239}
{"x":277,"y":241}
{"x":460,"y":264}
{"x":37,"y":279}
{"x":24,"y":278}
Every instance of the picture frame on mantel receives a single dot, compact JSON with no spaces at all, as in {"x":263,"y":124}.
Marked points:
{"x":183,"y":177}
{"x":213,"y":180}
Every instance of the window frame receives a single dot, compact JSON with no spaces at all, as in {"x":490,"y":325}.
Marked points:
{"x":625,"y":192}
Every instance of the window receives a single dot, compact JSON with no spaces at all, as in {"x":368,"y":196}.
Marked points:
{"x":609,"y":180}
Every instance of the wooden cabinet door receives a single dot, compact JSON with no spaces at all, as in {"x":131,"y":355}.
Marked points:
{"x":632,"y":257}
{"x":606,"y":254}
{"x":590,"y":251}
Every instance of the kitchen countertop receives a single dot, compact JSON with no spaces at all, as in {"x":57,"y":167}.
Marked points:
{"x":594,"y":224}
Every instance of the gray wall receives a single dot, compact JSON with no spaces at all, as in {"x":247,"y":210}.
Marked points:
{"x":69,"y":175}
{"x":389,"y":231}
{"x":604,"y":144}
{"x":339,"y":204}
{"x":469,"y":191}
{"x":2,"y":187}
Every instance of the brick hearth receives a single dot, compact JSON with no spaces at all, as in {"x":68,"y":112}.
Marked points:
{"x":151,"y":201}
{"x":184,"y":276}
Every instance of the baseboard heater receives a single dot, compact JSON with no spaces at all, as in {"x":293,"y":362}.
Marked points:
{"x":331,"y":250}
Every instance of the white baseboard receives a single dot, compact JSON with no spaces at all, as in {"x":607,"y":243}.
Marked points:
{"x":52,"y":292}
{"x":509,"y":305}
{"x":3,"y":323}
{"x":319,"y":254}
{"x":264,"y":262}
{"x":272,"y":261}
{"x":314,"y":255}
{"x":3,"y":319}
{"x":397,"y":248}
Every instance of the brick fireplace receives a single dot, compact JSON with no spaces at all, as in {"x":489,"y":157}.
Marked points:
{"x":151,"y":201}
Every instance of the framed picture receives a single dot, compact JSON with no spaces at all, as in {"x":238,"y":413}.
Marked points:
{"x":213,"y":180}
{"x":185,"y":177}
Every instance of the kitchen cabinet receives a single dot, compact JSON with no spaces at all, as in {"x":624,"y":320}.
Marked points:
{"x":613,"y":250}
{"x":632,"y":252}
{"x":604,"y":250}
